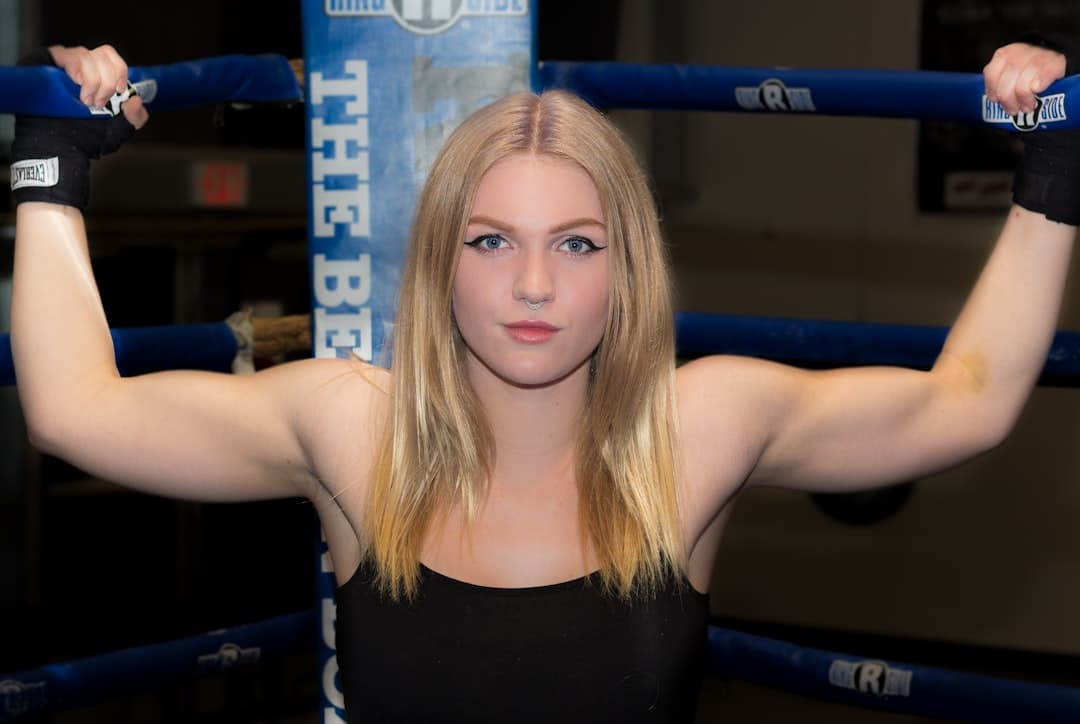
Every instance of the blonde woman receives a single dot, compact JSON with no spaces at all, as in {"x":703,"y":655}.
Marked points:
{"x":523,"y":512}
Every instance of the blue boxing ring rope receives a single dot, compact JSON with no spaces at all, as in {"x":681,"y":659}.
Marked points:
{"x":930,"y":96}
{"x":139,"y":350}
{"x":60,"y":687}
{"x":923,"y":95}
{"x":916,"y":94}
{"x":47,"y":91}
{"x":829,"y":675}
{"x":802,"y":342}
{"x":891,"y":686}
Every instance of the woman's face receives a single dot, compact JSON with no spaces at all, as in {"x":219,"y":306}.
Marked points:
{"x":531,"y":287}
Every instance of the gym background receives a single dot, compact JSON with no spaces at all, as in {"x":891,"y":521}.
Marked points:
{"x":822,"y":218}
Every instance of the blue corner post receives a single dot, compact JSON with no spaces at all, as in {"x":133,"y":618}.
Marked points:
{"x":385,"y":83}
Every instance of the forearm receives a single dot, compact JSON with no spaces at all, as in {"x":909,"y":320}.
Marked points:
{"x":60,"y":339}
{"x":998,"y":346}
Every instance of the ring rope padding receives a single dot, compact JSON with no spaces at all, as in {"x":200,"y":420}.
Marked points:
{"x":804,"y":342}
{"x":828,"y":675}
{"x":915,"y":94}
{"x":139,"y":350}
{"x":47,"y":90}
{"x":59,"y":687}
{"x":912,"y":94}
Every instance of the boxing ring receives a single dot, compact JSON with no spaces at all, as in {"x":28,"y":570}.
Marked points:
{"x":370,"y":136}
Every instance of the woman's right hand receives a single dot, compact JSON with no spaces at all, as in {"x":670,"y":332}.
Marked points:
{"x":99,"y":73}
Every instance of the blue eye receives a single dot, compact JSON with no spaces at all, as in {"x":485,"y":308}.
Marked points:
{"x":487,"y":242}
{"x":579,"y":245}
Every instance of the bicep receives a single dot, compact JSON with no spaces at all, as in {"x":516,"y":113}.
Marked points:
{"x":847,"y":429}
{"x":860,"y":428}
{"x":196,"y":435}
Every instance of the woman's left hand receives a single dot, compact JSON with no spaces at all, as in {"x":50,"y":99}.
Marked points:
{"x":1018,"y":72}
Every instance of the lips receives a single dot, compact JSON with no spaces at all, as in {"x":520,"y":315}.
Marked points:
{"x":531,"y":331}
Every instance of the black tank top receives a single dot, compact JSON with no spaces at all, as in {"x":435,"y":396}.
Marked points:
{"x":561,"y":653}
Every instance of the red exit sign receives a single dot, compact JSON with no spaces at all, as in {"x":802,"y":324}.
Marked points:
{"x":219,"y":184}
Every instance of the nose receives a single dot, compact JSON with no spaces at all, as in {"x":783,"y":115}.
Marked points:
{"x":535,"y":282}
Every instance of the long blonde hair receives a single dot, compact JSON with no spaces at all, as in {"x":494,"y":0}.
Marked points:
{"x":438,"y":450}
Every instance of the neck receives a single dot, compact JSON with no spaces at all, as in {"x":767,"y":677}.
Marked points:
{"x":535,"y":428}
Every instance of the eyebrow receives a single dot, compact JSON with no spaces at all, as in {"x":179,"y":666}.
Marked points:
{"x":569,"y":224}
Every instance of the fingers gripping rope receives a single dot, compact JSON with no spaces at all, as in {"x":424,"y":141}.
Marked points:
{"x":47,"y":91}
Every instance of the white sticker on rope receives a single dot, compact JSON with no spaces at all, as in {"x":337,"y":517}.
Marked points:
{"x":773,"y":95}
{"x":870,"y":677}
{"x":113,"y":106}
{"x":147,"y":89}
{"x":1048,"y":109}
{"x":35,"y":173}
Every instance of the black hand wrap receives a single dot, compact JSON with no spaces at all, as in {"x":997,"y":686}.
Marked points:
{"x":51,"y":156}
{"x":1047,"y":179}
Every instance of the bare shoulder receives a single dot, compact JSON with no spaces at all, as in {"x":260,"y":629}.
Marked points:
{"x":705,"y":373}
{"x":722,"y":427}
{"x":323,"y":379}
{"x":718,"y":394}
{"x":343,"y":405}
{"x":728,"y":380}
{"x":742,"y":397}
{"x":339,"y":406}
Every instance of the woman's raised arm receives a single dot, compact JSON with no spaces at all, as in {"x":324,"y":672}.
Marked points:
{"x":192,"y":435}
{"x":858,"y":428}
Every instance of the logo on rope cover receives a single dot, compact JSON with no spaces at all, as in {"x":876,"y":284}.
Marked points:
{"x":870,"y":677}
{"x":425,"y":17}
{"x":18,"y":698}
{"x":229,"y":656}
{"x":773,"y":95}
{"x":1048,"y":109}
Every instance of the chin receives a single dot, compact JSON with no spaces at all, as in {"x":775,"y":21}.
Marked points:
{"x":533,"y":376}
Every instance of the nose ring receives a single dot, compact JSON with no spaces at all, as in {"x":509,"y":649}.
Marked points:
{"x":533,"y":306}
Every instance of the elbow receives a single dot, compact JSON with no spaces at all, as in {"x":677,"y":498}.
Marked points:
{"x":55,"y":423}
{"x":994,"y":429}
{"x":56,"y":417}
{"x":40,"y":442}
{"x":44,"y":431}
{"x":985,"y":413}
